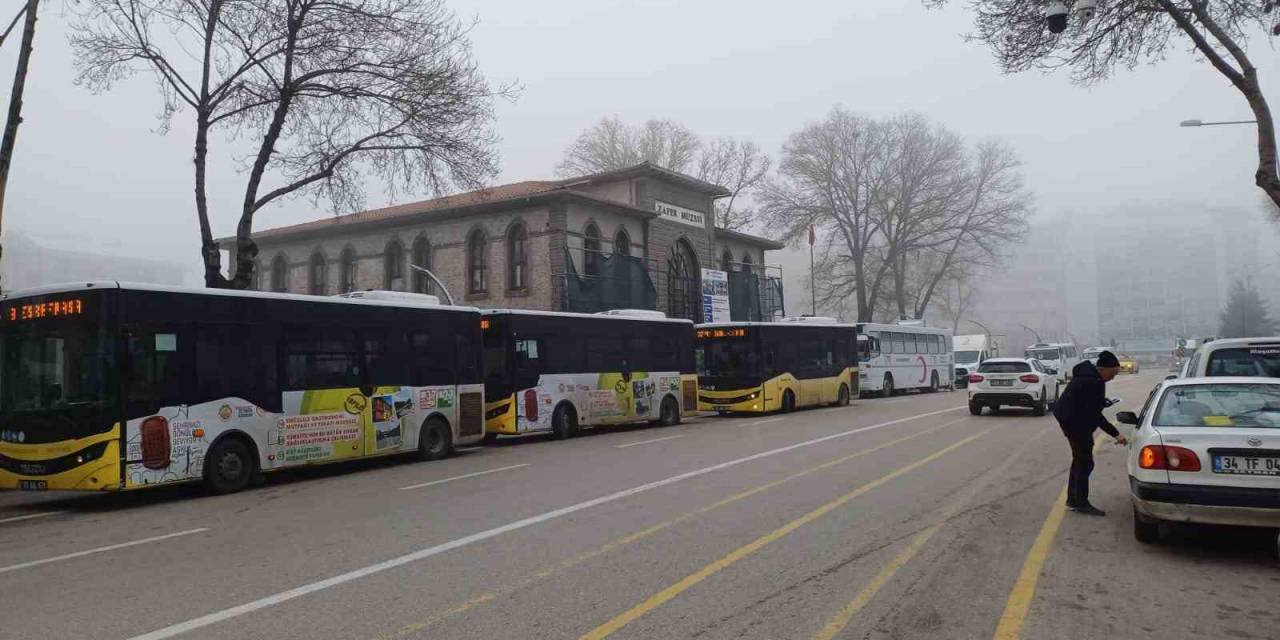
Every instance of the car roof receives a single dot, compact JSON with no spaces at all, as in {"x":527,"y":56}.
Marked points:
{"x":998,"y":360}
{"x":1184,"y":382}
{"x":1221,"y":343}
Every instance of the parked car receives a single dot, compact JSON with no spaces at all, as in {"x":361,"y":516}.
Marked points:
{"x":1206,"y":450}
{"x":1128,"y":364}
{"x":1235,"y":357}
{"x":1012,"y":382}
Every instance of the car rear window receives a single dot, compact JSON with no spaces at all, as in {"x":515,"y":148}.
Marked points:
{"x":1245,"y":361}
{"x":1004,"y":367}
{"x":1220,"y":405}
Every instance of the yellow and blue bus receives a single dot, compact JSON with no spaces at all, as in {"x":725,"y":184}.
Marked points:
{"x":560,"y":372}
{"x":107,"y":386}
{"x":762,"y":367}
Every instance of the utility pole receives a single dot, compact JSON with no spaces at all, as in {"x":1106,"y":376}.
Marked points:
{"x":14,"y":117}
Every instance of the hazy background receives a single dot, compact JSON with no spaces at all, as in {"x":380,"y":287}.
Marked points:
{"x":91,"y":172}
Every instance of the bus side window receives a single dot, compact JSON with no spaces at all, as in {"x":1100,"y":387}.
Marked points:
{"x":231,"y":362}
{"x":468,"y":360}
{"x":319,"y":358}
{"x":529,"y":353}
{"x":429,"y":359}
{"x":158,"y":375}
{"x":382,"y":364}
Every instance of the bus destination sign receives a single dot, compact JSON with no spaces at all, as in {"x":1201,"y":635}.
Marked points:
{"x":47,"y":309}
{"x":723,"y":332}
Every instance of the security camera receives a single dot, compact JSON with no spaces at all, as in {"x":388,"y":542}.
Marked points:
{"x":1085,"y":10}
{"x":1056,"y":15}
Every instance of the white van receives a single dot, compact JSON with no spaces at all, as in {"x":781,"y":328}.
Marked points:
{"x":971,"y":351}
{"x":1062,"y":357}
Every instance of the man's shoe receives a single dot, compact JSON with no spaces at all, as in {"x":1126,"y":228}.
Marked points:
{"x":1089,"y":510}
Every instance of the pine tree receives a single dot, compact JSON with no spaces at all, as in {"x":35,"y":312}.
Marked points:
{"x":1246,"y":313}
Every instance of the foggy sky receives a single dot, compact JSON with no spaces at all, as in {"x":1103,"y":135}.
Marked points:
{"x":91,"y":172}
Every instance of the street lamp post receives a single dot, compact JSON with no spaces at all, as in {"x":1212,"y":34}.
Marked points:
{"x":1033,"y":332}
{"x":1202,"y":123}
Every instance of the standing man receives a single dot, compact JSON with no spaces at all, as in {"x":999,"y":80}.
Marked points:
{"x":1079,"y":412}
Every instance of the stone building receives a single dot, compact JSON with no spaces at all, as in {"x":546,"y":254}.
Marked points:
{"x":638,"y":237}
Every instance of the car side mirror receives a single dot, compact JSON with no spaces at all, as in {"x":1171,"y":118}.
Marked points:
{"x":1172,"y":376}
{"x":1127,"y":417}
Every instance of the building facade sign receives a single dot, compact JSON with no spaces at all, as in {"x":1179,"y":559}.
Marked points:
{"x":676,"y":213}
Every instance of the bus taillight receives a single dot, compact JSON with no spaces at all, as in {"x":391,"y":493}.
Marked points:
{"x":155,"y":442}
{"x":531,"y":405}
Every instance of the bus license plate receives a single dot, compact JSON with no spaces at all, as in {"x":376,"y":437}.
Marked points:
{"x":33,"y":485}
{"x":721,"y":407}
{"x":1246,"y":465}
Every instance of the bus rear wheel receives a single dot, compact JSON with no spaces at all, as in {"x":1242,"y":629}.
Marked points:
{"x":564,"y":422}
{"x":669,"y":413}
{"x":933,"y":383}
{"x":228,"y":468}
{"x":435,"y":441}
{"x":842,"y":398}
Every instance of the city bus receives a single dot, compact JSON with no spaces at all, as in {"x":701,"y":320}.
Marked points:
{"x":759,"y":367}
{"x":897,"y":357}
{"x":108,"y":386}
{"x":561,"y":372}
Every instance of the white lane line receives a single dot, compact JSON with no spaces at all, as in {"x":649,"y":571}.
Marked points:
{"x":461,"y":477}
{"x":30,"y":516}
{"x":343,"y":578}
{"x":86,"y":552}
{"x":636,"y":444}
{"x":752,"y":424}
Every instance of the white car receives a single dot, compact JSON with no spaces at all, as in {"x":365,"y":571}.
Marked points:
{"x":1235,"y":357}
{"x":1060,"y":357}
{"x":1012,"y":382}
{"x":1206,"y":450}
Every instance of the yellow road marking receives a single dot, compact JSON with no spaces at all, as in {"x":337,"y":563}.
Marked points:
{"x":523,"y":585}
{"x":693,"y":579}
{"x":1024,"y":588}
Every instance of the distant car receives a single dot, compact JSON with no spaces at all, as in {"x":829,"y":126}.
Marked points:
{"x":1012,"y":382}
{"x":1235,"y":357}
{"x":1128,"y":364}
{"x":1091,"y":354}
{"x":1206,"y":450}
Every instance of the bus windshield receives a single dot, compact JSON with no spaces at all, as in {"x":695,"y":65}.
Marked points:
{"x":736,"y":359}
{"x":56,"y":381}
{"x":1043,"y":354}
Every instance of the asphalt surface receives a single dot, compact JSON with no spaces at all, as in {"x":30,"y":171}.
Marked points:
{"x":893,"y":518}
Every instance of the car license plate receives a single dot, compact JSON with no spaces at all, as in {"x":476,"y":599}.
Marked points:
{"x":33,"y":485}
{"x":1002,"y":383}
{"x":1246,"y":465}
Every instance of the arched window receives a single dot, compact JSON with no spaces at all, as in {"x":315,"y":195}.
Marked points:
{"x":517,"y":257}
{"x":393,"y":266}
{"x":726,"y":261}
{"x":622,"y":243}
{"x":477,"y":262}
{"x":347,"y":282}
{"x":255,"y":279}
{"x":684,"y":282}
{"x":280,"y":274}
{"x":747,"y":263}
{"x":316,"y":274}
{"x":421,"y":258}
{"x":591,"y":250}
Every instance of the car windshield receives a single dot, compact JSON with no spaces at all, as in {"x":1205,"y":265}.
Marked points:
{"x":1090,"y":354}
{"x":1220,"y":405}
{"x":966,"y":356}
{"x":1004,"y":367}
{"x":1251,"y":361}
{"x":1042,"y":354}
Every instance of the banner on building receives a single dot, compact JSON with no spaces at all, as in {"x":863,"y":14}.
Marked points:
{"x":715,"y":296}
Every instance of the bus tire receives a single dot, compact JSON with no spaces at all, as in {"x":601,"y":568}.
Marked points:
{"x":887,"y":390}
{"x":669,"y":412}
{"x":842,"y":397}
{"x":229,"y":466}
{"x":435,"y":439}
{"x":564,"y":421}
{"x":933,"y":383}
{"x":788,"y":402}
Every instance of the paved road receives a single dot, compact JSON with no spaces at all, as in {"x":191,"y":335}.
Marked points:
{"x":897,"y":518}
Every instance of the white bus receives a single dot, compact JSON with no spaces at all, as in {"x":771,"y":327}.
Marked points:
{"x":899,"y":357}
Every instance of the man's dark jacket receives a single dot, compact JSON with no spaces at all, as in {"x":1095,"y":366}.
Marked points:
{"x":1079,"y":409}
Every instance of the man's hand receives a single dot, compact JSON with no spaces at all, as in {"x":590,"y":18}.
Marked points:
{"x":1121,"y":440}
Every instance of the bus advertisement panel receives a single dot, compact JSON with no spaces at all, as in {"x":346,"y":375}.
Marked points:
{"x":560,"y":372}
{"x":111,"y":387}
{"x":759,"y":367}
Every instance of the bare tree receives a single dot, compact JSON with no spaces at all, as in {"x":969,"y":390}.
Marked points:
{"x":1127,"y":34}
{"x":325,"y":92}
{"x":28,"y":13}
{"x":955,"y":294}
{"x":740,"y":166}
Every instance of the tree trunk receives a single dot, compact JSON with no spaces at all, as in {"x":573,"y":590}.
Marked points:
{"x":14,"y":117}
{"x":209,"y":252}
